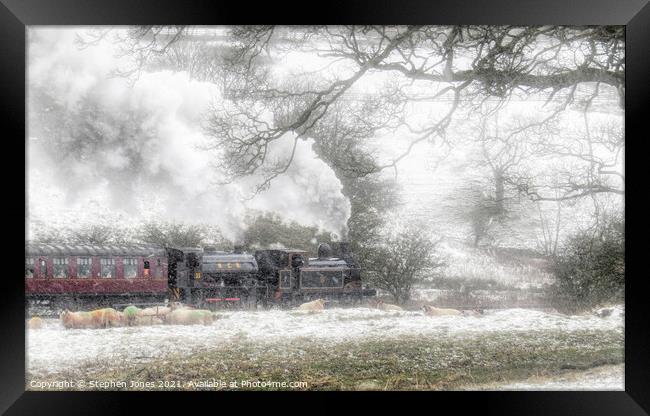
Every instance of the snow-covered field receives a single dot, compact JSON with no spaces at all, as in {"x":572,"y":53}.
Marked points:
{"x":468,"y":263}
{"x":607,"y":377}
{"x":512,"y":298}
{"x":53,"y":349}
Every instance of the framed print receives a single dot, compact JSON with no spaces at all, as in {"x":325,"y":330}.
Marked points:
{"x":419,"y":198}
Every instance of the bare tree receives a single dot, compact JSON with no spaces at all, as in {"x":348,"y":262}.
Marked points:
{"x":550,"y":229}
{"x":401,"y":259}
{"x":592,"y":164}
{"x":499,"y":149}
{"x":504,"y":147}
{"x":461,"y":66}
{"x":475,"y":206}
{"x":456,"y":64}
{"x":340,"y":143}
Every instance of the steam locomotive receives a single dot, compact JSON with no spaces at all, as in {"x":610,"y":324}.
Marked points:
{"x":115,"y":275}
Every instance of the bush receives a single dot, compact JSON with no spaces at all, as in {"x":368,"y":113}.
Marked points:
{"x":170,"y":234}
{"x":590,"y":270}
{"x":402,"y":260}
{"x":91,"y":234}
{"x":271,"y":230}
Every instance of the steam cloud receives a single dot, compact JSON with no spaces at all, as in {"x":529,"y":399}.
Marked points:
{"x":136,"y":155}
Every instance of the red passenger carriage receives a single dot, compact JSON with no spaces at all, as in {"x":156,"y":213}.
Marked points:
{"x":65,"y":274}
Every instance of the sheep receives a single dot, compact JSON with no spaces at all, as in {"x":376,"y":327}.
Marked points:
{"x":130,"y":314}
{"x":156,"y":311}
{"x":314,"y":305}
{"x":106,"y":317}
{"x":135,"y":316}
{"x":35,"y":323}
{"x":77,"y":319}
{"x":153,"y":315}
{"x":433,"y":311}
{"x":190,"y":317}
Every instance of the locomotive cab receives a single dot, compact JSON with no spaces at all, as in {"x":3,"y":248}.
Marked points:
{"x":280,"y":268}
{"x":291,"y":274}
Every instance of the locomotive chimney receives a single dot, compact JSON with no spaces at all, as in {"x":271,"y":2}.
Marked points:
{"x":324,"y":251}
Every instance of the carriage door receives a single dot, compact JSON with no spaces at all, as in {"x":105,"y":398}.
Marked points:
{"x":146,"y":268}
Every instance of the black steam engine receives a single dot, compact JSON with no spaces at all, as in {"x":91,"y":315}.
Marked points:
{"x":206,"y":276}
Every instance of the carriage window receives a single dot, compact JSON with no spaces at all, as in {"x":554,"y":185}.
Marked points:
{"x":29,"y":267}
{"x":108,"y":267}
{"x":83,"y":267}
{"x":60,"y":267}
{"x":130,"y":267}
{"x":42,"y":266}
{"x":297,"y":261}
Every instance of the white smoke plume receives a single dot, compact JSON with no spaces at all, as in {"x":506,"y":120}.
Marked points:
{"x":101,"y":147}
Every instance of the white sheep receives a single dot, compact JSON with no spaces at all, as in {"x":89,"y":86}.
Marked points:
{"x":380,"y":304}
{"x":315,"y":305}
{"x":433,"y":311}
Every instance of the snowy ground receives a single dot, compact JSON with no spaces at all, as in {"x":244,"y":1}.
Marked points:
{"x":607,"y":377}
{"x":53,"y":349}
{"x":484,"y":298}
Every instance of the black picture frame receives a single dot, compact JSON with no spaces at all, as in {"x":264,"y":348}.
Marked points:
{"x":15,"y":15}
